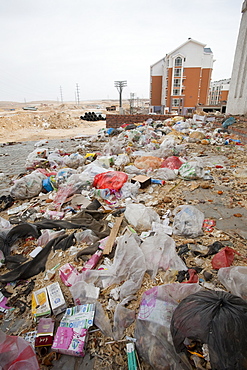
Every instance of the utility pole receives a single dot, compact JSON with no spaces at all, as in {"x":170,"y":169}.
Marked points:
{"x":120,"y":85}
{"x":61,"y":94}
{"x":78,"y":94}
{"x":132,"y":102}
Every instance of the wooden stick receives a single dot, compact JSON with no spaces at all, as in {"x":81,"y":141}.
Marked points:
{"x":112,"y":237}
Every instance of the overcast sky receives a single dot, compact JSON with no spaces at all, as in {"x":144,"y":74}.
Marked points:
{"x":46,"y":44}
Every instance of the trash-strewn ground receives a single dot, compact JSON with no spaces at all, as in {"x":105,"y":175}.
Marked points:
{"x":160,"y":247}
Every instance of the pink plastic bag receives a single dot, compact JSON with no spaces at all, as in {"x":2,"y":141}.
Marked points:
{"x":173,"y":163}
{"x":16,"y":354}
{"x":224,"y":258}
{"x":112,"y":180}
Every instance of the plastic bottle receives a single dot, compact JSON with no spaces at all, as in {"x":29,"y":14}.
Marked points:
{"x":102,"y":193}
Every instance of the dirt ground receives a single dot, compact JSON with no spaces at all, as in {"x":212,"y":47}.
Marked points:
{"x":49,"y":121}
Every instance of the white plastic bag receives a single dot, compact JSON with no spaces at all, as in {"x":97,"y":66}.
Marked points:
{"x":234,"y":279}
{"x":74,"y":160}
{"x":140,"y":216}
{"x":159,"y":251}
{"x":188,"y":221}
{"x":28,"y":186}
{"x":191,"y":170}
{"x":122,"y":160}
{"x":37,"y":158}
{"x":128,"y":266}
{"x":130,"y":190}
{"x":163,"y":174}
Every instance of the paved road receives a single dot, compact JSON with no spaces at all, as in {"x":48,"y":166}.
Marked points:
{"x":13,"y":158}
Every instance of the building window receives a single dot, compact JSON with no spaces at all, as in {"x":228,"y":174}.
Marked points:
{"x":176,"y":82}
{"x":175,"y":102}
{"x":176,"y":92}
{"x":178,"y":62}
{"x":177,"y":72}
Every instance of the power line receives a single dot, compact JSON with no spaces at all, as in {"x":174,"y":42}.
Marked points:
{"x":120,"y":85}
{"x":78,"y":94}
{"x":61,"y":94}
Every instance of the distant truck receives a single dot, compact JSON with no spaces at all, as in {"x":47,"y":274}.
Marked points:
{"x":29,"y":108}
{"x":112,"y":107}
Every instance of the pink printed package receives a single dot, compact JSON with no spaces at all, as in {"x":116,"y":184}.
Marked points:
{"x":68,"y":274}
{"x":71,"y":335}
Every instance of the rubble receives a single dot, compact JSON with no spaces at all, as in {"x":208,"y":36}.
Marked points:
{"x":127,"y":226}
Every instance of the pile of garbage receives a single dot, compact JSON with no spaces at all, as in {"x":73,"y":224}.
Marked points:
{"x":106,"y":251}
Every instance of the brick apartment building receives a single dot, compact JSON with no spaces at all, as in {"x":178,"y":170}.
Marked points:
{"x":180,"y":81}
{"x":219,"y":91}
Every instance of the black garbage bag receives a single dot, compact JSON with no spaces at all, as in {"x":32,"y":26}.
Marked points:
{"x":21,"y":231}
{"x":6,"y":201}
{"x":217,"y":319}
{"x":30,"y":268}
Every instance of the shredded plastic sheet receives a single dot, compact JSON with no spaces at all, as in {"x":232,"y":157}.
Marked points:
{"x":128,"y":266}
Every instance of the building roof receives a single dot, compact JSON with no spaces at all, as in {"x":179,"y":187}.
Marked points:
{"x":206,"y":50}
{"x":186,"y":42}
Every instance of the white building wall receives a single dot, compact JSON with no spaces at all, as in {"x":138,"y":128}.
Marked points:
{"x":237,"y":99}
{"x":207,"y":60}
{"x":193,"y":53}
{"x":157,"y":68}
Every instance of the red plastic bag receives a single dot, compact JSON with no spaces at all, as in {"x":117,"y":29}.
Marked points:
{"x":112,"y":180}
{"x":224,"y":258}
{"x":193,"y":277}
{"x":16,"y":354}
{"x":173,"y":163}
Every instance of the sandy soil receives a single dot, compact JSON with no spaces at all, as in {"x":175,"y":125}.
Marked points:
{"x":48,"y":122}
{"x":31,"y":134}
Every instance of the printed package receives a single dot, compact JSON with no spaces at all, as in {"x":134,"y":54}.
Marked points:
{"x":56,"y":298}
{"x":40,"y":303}
{"x":71,"y":335}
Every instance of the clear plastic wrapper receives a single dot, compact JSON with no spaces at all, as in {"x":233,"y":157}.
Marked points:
{"x":37,"y":158}
{"x":86,"y":236}
{"x":128,"y":266}
{"x":152,"y":332}
{"x":163,"y":174}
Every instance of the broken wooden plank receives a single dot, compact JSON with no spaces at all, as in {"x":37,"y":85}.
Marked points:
{"x":113,"y":234}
